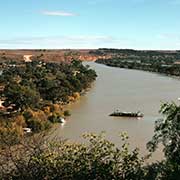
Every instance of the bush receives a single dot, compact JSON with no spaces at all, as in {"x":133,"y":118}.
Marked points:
{"x":99,"y":159}
{"x":35,"y":125}
{"x":67,"y":113}
{"x":47,"y":125}
{"x":9,"y":136}
{"x":55,"y":118}
{"x":27,"y":114}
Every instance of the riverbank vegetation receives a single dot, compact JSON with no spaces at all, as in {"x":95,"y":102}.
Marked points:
{"x":98,"y":158}
{"x":33,"y":94}
{"x":155,"y":61}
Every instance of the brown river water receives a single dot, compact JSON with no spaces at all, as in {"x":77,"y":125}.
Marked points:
{"x":126,"y":90}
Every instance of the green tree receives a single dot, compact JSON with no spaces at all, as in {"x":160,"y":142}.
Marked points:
{"x":98,"y":159}
{"x":20,"y":97}
{"x":167,"y":133}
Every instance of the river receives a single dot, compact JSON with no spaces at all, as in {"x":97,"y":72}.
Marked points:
{"x":128,"y":90}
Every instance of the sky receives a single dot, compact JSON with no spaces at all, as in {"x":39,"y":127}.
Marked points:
{"x":84,"y":24}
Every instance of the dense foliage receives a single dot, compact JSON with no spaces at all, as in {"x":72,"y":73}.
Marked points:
{"x":29,"y":84}
{"x":166,"y":62}
{"x":98,"y":159}
{"x":137,"y":55}
{"x":167,"y":132}
{"x":34,"y":92}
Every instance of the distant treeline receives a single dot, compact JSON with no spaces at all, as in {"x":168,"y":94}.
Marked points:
{"x":143,"y":56}
{"x":132,"y":51}
{"x":166,"y":62}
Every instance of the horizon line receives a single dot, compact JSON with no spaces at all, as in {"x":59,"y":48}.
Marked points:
{"x":87,"y":49}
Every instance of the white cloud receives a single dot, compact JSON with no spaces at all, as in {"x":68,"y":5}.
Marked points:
{"x":58,"y":13}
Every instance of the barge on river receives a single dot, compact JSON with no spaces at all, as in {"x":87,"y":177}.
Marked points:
{"x":127,"y":114}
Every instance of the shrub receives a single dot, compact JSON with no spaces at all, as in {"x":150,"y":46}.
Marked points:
{"x":67,"y":113}
{"x":9,"y":136}
{"x":99,"y":159}
{"x":35,"y":124}
{"x":27,"y":114}
{"x":54,"y":118}
{"x":47,"y":125}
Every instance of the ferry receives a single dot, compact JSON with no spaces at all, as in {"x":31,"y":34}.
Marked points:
{"x":127,"y":114}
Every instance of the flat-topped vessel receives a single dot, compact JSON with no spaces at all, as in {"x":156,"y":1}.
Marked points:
{"x":126,"y":114}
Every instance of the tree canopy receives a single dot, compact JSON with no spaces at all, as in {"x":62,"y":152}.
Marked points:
{"x":27,"y":84}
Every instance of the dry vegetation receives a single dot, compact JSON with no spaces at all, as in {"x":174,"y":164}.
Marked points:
{"x":48,"y":55}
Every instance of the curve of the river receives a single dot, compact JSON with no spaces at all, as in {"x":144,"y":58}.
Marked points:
{"x":129,"y":90}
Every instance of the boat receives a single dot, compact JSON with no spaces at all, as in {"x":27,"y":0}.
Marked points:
{"x":127,"y":114}
{"x":27,"y":130}
{"x":62,"y":120}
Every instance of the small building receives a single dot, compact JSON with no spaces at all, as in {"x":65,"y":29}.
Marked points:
{"x":2,"y":108}
{"x":177,"y":62}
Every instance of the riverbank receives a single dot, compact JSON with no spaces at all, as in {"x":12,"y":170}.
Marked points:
{"x":35,"y":93}
{"x":170,"y":69}
{"x":127,"y":90}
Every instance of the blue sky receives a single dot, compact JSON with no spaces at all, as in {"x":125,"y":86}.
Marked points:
{"x":137,"y":24}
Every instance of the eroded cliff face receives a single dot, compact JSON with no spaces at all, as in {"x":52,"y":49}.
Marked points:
{"x":92,"y":57}
{"x":50,"y":55}
{"x":64,"y":58}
